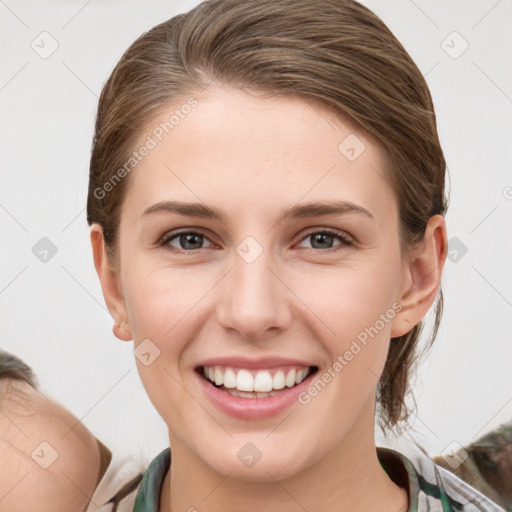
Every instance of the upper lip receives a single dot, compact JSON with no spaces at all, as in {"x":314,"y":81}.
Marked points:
{"x":258,"y":363}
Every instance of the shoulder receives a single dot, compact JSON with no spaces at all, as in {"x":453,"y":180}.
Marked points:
{"x":118,"y":486}
{"x":432,"y":487}
{"x":471,"y":498}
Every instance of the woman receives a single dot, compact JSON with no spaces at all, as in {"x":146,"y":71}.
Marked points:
{"x":266,"y":202}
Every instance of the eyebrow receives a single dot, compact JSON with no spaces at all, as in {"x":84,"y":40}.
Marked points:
{"x":313,"y":209}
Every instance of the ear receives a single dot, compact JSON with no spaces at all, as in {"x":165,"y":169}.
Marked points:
{"x":421,"y":277}
{"x":109,"y":279}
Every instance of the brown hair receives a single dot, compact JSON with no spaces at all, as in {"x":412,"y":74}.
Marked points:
{"x":12,"y":367}
{"x":13,"y":370}
{"x":336,"y":54}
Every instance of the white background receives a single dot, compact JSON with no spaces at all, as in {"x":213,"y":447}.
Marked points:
{"x":53,"y":314}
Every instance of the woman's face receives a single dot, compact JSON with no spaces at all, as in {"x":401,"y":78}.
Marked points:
{"x":262,"y":291}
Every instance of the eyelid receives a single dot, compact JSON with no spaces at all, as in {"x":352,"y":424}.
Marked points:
{"x":173,"y":234}
{"x":345,"y":237}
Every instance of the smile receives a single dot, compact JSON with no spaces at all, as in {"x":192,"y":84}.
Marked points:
{"x":253,"y":389}
{"x":250,"y":383}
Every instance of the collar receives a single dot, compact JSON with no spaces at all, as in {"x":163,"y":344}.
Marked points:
{"x":423,"y":494}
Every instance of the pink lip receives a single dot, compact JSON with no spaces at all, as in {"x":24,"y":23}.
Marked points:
{"x":261,"y":363}
{"x":252,"y":408}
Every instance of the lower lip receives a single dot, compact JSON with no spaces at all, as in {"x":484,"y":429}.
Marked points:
{"x":253,"y":408}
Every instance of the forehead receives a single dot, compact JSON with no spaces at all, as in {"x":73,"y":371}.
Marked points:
{"x":246,"y":145}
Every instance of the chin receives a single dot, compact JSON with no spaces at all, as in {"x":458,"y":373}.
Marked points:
{"x":259,"y":460}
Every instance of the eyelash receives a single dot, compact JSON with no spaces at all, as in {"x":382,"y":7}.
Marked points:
{"x":345,"y":241}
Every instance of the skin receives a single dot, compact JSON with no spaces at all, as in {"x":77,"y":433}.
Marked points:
{"x":67,"y":484}
{"x":252,"y":157}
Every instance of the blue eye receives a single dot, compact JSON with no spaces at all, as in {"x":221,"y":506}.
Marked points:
{"x":193,"y":240}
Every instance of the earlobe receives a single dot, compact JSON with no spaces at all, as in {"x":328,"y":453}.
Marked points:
{"x":122,"y":331}
{"x":110,"y":285}
{"x":422,"y":277}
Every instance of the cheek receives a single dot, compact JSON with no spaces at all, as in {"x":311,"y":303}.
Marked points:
{"x":356,"y":304}
{"x":161,"y":300}
{"x":359,"y":309}
{"x":164,"y":306}
{"x":349,"y":299}
{"x":160,"y":306}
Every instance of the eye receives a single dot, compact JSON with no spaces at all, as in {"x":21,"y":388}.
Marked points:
{"x":187,"y":240}
{"x":325,"y":237}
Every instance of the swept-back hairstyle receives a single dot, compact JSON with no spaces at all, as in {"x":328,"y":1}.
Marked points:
{"x":334,"y":54}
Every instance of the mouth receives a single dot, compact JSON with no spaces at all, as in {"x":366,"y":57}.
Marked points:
{"x":251,"y":383}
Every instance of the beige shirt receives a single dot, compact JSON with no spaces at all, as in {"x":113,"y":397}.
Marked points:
{"x":118,"y":473}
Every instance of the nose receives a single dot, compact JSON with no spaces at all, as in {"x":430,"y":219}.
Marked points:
{"x":254,"y":299}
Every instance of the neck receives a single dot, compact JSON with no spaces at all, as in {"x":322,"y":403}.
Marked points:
{"x":348,"y":478}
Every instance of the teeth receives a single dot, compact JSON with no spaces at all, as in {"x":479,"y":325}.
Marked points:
{"x":278,"y":381}
{"x":290,"y":379}
{"x":301,"y":375}
{"x":243,"y":394}
{"x":230,"y":378}
{"x":219,"y":376}
{"x":262,"y":384}
{"x":244,"y":381}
